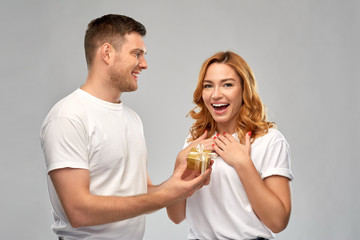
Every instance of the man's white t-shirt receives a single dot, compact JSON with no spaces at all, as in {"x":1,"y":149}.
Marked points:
{"x":82,"y":131}
{"x":222,"y":210}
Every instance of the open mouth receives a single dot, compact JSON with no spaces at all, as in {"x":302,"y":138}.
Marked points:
{"x":220,"y":106}
{"x":135,"y":74}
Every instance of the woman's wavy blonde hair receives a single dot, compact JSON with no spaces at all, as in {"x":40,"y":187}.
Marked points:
{"x":252,"y":115}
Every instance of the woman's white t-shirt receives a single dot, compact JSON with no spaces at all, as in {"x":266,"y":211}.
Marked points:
{"x":222,"y":210}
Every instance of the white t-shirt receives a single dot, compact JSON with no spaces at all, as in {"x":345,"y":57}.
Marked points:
{"x":222,"y":210}
{"x":82,"y":131}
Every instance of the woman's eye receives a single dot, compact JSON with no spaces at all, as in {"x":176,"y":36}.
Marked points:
{"x":207,"y":86}
{"x":227,"y":85}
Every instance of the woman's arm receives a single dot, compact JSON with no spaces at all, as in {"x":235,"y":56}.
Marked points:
{"x":270,"y":198}
{"x":177,"y":211}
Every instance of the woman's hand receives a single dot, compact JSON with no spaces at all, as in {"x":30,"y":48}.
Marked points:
{"x":207,"y":142}
{"x":182,"y":156}
{"x":231,"y":151}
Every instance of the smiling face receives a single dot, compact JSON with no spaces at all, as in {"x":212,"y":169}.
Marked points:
{"x":222,"y":95}
{"x":128,"y":63}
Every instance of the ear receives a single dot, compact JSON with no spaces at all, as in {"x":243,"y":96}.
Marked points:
{"x":107,"y":52}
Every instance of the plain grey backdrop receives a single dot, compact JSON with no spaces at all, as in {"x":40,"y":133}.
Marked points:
{"x":305,"y":55}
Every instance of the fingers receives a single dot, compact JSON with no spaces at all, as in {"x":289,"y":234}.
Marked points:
{"x":208,"y":144}
{"x":181,"y":158}
{"x":203,"y":178}
{"x":229,"y":137}
{"x":180,"y":169}
{"x":223,"y":140}
{"x":207,"y":180}
{"x":218,"y":150}
{"x":195,"y":142}
{"x":247,"y":141}
{"x":199,"y":139}
{"x":199,"y":180}
{"x":185,"y":152}
{"x":204,"y":140}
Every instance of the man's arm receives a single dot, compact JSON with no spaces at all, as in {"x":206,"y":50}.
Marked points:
{"x":85,"y":209}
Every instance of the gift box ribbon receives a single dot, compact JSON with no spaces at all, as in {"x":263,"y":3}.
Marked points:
{"x":200,"y":156}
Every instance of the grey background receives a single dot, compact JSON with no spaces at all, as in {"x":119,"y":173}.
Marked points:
{"x":305,"y":56}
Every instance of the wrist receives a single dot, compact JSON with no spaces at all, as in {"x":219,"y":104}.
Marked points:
{"x":163,"y":195}
{"x":244,"y":165}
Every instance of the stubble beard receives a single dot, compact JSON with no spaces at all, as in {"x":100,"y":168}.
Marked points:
{"x":118,"y":80}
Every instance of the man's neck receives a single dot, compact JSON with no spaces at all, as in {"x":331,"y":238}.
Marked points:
{"x":100,"y":90}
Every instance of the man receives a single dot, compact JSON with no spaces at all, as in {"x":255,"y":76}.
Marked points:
{"x":95,"y":149}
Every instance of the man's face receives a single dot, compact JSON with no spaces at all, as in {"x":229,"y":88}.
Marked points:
{"x":129,"y":62}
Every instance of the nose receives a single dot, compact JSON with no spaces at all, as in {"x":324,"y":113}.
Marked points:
{"x":216,"y":94}
{"x":142,"y":63}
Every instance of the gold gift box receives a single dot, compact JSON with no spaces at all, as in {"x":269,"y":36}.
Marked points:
{"x":199,"y":158}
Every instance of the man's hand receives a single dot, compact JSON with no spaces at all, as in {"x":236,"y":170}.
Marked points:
{"x":183,"y":183}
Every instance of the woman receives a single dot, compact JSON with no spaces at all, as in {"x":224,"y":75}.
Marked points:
{"x":249,"y":193}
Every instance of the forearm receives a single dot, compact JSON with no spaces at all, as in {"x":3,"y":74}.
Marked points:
{"x":84,"y":209}
{"x":268,"y":206}
{"x":177,"y":211}
{"x":151,"y":189}
{"x":95,"y":210}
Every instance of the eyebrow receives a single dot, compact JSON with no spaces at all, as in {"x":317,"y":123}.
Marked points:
{"x":139,"y":50}
{"x":222,"y":80}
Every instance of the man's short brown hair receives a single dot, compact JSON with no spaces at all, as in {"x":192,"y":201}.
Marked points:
{"x":109,"y":29}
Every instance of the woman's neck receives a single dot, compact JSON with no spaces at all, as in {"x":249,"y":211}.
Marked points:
{"x":228,"y":129}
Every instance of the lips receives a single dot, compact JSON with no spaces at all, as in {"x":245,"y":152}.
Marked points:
{"x":135,"y":74}
{"x":220,"y":107}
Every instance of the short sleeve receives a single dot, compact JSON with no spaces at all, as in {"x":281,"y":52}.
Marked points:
{"x":187,"y":142}
{"x":64,"y":144}
{"x":277,"y":160}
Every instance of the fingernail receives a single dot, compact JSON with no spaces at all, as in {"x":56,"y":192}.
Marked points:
{"x":217,"y":135}
{"x":224,"y":133}
{"x":249,"y":133}
{"x":213,"y":145}
{"x":214,"y":137}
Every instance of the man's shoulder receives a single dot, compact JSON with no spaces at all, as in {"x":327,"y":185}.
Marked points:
{"x":70,"y":106}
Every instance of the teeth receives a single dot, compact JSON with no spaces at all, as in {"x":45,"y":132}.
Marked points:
{"x":219,"y":104}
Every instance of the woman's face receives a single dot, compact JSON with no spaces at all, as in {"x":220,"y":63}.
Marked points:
{"x":222,"y":95}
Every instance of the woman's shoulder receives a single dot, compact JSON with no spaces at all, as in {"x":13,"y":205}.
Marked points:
{"x":272,"y":136}
{"x":275,"y":133}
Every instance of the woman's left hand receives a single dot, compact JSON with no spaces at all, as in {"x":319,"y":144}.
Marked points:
{"x":231,"y":151}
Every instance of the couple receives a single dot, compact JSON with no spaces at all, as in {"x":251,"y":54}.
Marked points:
{"x":96,"y":156}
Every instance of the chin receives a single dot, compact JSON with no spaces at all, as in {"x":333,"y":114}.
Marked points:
{"x":130,"y":89}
